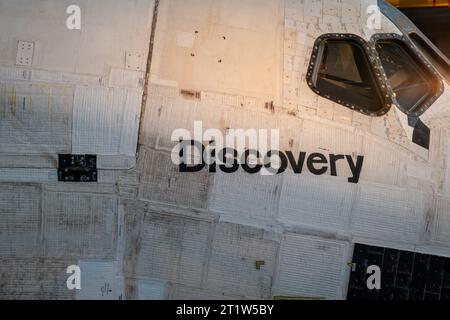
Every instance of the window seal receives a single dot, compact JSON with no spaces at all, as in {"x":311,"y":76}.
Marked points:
{"x":376,"y":69}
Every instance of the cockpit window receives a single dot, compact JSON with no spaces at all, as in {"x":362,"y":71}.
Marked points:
{"x":370,"y":76}
{"x":440,"y":62}
{"x":412,"y":82}
{"x":341,"y":71}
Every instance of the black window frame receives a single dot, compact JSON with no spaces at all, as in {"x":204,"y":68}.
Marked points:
{"x":381,"y":80}
{"x":375,"y":69}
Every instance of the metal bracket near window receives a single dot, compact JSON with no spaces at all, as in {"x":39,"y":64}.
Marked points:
{"x":379,"y":87}
{"x":421,"y":135}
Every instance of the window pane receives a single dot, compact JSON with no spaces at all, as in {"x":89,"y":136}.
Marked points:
{"x":339,"y":62}
{"x":438,"y":61}
{"x":344,"y":74}
{"x":408,"y":78}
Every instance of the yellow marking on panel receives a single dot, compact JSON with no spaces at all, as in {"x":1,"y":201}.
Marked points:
{"x":50,"y":86}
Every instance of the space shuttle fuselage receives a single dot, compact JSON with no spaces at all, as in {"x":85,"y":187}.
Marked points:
{"x":99,"y":169}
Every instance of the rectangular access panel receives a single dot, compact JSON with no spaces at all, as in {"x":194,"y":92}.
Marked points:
{"x":77,"y":168}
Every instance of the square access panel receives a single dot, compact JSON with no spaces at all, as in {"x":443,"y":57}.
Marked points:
{"x":77,"y":168}
{"x":25,"y":52}
{"x":134,"y":61}
{"x":404,"y":275}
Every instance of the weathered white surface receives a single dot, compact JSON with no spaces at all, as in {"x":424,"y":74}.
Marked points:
{"x":312,"y":268}
{"x":35,"y":118}
{"x":105,"y":121}
{"x":181,"y":292}
{"x":97,"y":281}
{"x":152,"y":290}
{"x":384,"y":164}
{"x":242,"y":38}
{"x":317,"y":202}
{"x":20,"y":214}
{"x":197,"y":236}
{"x":108,"y":30}
{"x":170,"y":248}
{"x":386,"y":212}
{"x":45,"y":114}
{"x":241,"y":194}
{"x":28,"y":175}
{"x":162,"y":181}
{"x":232,"y":263}
{"x":442,"y":221}
{"x":79,"y":224}
{"x":34,"y":279}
